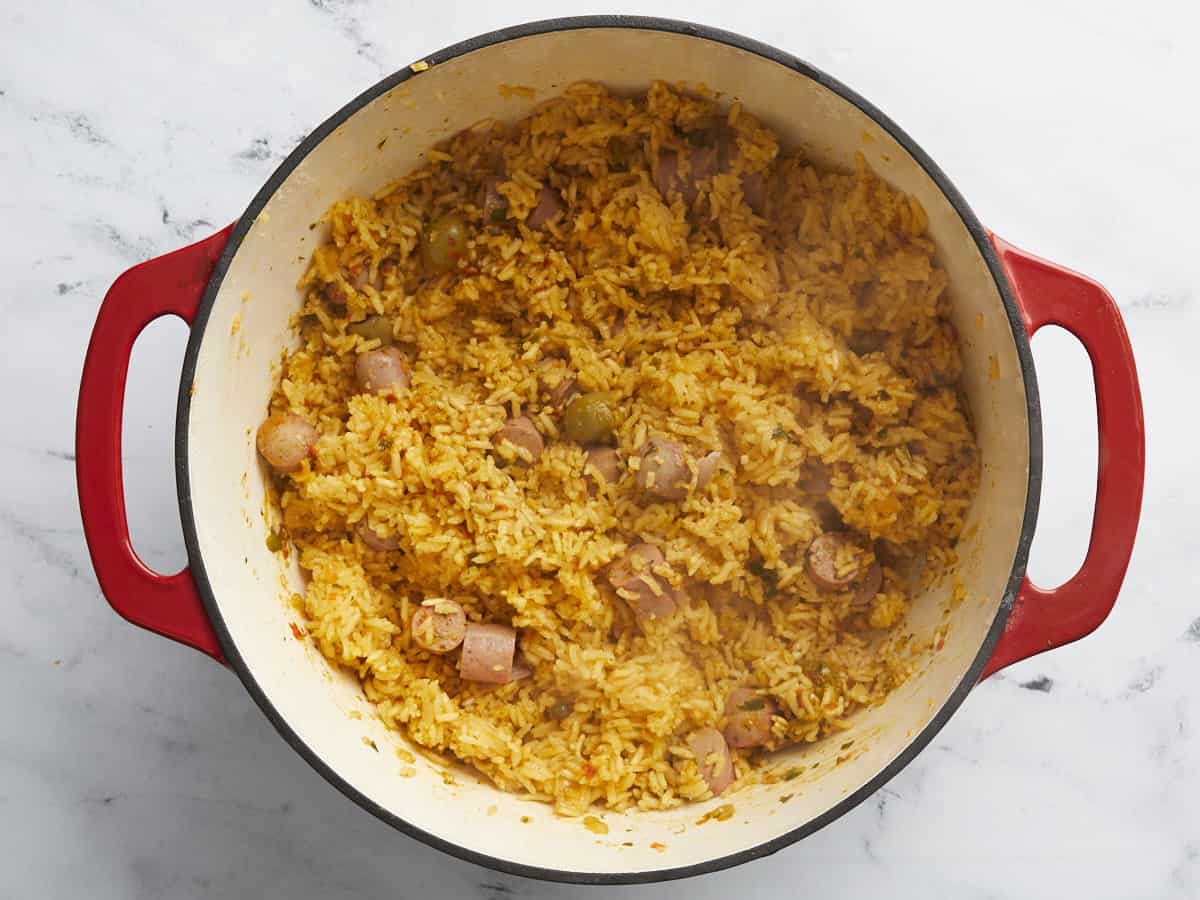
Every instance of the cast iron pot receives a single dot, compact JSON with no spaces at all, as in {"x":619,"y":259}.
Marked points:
{"x":237,"y":289}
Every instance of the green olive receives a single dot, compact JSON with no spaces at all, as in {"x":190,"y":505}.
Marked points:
{"x":592,"y":418}
{"x":373,"y":328}
{"x":444,"y":243}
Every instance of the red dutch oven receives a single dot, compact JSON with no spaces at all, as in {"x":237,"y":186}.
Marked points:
{"x":237,"y":289}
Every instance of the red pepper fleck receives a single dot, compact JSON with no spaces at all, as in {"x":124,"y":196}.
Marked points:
{"x":589,"y":771}
{"x":297,"y":631}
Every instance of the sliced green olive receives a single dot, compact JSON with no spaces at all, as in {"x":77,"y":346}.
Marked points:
{"x":592,"y":418}
{"x":373,"y":328}
{"x":444,"y":243}
{"x":561,"y":710}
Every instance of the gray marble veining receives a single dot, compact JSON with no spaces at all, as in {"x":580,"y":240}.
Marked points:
{"x":131,"y":767}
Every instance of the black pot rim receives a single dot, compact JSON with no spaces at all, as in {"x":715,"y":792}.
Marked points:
{"x":956,"y":697}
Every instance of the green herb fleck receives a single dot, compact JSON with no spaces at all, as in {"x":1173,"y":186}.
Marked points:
{"x":780,"y":433}
{"x":754,"y":704}
{"x":274,"y":541}
{"x":792,"y":773}
{"x":770,"y":577}
{"x":499,"y":215}
{"x":385,"y":443}
{"x":786,"y":797}
{"x":379,"y":146}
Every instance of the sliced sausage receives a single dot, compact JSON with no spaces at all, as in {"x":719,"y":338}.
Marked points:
{"x":702,"y":164}
{"x":821,"y":562}
{"x":549,"y":206}
{"x":704,"y":161}
{"x":491,"y":201}
{"x":871,"y":584}
{"x":816,"y":480}
{"x":665,"y":172}
{"x":487,"y":653}
{"x":439,"y":625}
{"x":754,"y":191}
{"x":564,"y":392}
{"x":285,"y":440}
{"x":706,"y":468}
{"x":362,"y":277}
{"x":376,"y":541}
{"x":648,"y":594}
{"x":522,"y":434}
{"x":663,"y":471}
{"x":605,"y":463}
{"x":382,"y":371}
{"x":748,"y":718}
{"x":713,"y":759}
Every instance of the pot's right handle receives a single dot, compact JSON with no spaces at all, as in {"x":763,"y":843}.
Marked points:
{"x":169,"y":285}
{"x":1051,"y":295}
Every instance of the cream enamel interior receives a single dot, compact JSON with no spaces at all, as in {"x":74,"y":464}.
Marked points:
{"x":247,"y":331}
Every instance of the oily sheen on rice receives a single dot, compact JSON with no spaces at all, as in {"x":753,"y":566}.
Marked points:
{"x":807,"y":342}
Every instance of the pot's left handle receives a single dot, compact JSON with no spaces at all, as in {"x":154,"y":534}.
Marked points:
{"x":168,"y":285}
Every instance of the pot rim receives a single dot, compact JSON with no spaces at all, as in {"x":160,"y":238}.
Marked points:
{"x":1024,"y":355}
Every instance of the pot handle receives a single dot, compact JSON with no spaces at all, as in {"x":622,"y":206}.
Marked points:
{"x":1051,"y":295}
{"x":168,"y":285}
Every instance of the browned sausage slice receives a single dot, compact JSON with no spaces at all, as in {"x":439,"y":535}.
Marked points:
{"x":606,"y":463}
{"x":439,"y":625}
{"x":713,"y":758}
{"x":487,"y":653}
{"x":663,"y":471}
{"x":754,"y":191}
{"x":822,"y":562}
{"x":706,"y":468}
{"x":549,"y":206}
{"x":748,"y":718}
{"x":702,"y":164}
{"x":871,"y":584}
{"x":285,"y":440}
{"x":665,"y":172}
{"x":382,"y":371}
{"x":648,"y":594}
{"x":376,"y":541}
{"x":563,"y":392}
{"x":522,"y":434}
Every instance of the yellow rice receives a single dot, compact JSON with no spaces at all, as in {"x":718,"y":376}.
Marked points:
{"x":811,"y":340}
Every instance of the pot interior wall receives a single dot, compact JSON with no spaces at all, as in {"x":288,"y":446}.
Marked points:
{"x":238,"y":360}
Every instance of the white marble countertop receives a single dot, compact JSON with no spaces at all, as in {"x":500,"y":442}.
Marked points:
{"x":133,"y":767}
